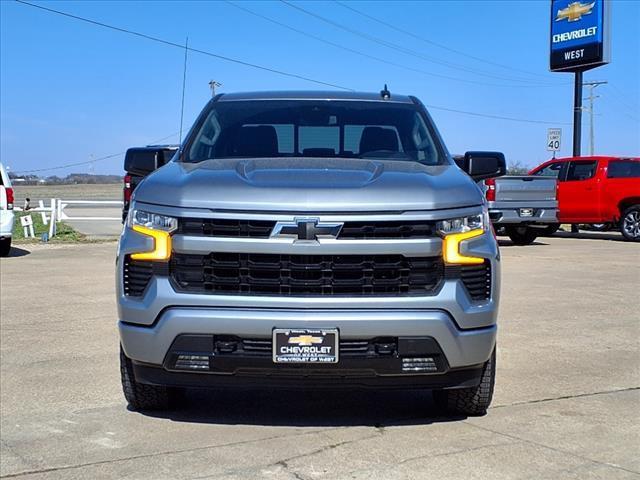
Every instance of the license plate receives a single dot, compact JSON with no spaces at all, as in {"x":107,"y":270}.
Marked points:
{"x":305,"y":345}
{"x":526,"y":212}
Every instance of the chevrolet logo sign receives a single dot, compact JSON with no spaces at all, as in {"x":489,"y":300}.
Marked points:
{"x":305,"y":340}
{"x":575,"y":11}
{"x":308,"y":229}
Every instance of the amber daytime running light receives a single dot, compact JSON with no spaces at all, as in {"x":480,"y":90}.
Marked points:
{"x":456,"y":230}
{"x":158,"y":227}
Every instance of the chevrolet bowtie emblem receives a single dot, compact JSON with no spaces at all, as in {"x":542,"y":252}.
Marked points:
{"x":305,"y":340}
{"x":575,"y":11}
{"x":306,"y":229}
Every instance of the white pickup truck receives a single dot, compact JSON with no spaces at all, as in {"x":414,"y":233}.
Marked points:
{"x":6,"y":212}
{"x":522,"y":207}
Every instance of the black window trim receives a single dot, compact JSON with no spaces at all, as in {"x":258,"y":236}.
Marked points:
{"x":582,"y":161}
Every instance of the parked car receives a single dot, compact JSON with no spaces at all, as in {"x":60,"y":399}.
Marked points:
{"x":599,"y":189}
{"x":522,"y":207}
{"x":6,"y":212}
{"x":308,"y":239}
{"x":156,"y":155}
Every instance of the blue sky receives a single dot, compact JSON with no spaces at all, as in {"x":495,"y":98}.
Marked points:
{"x":69,"y":90}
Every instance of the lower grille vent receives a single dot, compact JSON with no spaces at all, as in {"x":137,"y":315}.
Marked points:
{"x":477,"y":280}
{"x":137,"y":275}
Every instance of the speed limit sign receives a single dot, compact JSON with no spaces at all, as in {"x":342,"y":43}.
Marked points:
{"x":554,"y":136}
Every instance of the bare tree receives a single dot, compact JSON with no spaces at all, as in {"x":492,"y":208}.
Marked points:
{"x":517,"y":168}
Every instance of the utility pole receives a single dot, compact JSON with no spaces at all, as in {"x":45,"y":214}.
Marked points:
{"x":592,"y":86}
{"x":213,"y":85}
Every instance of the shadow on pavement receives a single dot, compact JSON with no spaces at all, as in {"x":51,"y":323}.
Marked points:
{"x":611,"y":236}
{"x":505,"y":242}
{"x":307,"y":408}
{"x":18,"y":252}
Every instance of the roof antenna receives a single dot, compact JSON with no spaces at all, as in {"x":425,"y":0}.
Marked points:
{"x":385,"y":94}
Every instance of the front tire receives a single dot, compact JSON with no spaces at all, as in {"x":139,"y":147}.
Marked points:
{"x":5,"y":247}
{"x":141,"y":396}
{"x":473,"y":401}
{"x":521,"y":235}
{"x":630,"y":223}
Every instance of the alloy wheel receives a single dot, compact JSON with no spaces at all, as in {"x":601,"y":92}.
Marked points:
{"x":631,"y":223}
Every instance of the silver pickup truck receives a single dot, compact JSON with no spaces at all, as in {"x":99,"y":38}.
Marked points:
{"x":522,"y":207}
{"x":310,"y":239}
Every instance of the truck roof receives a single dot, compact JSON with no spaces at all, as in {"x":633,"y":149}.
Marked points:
{"x":592,"y":157}
{"x":312,"y":95}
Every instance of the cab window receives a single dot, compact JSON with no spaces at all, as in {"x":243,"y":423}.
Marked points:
{"x":551,"y":170}
{"x":624,"y":169}
{"x":581,"y":170}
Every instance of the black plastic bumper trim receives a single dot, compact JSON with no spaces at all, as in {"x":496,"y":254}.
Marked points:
{"x":459,"y":378}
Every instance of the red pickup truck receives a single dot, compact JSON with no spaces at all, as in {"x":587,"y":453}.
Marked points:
{"x":597,"y":190}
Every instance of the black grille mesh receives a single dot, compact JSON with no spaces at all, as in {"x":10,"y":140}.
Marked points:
{"x":217,"y":227}
{"x":369,"y":230}
{"x":220,"y":227}
{"x":358,"y":275}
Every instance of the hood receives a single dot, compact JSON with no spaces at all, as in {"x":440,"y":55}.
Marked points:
{"x":309,"y":185}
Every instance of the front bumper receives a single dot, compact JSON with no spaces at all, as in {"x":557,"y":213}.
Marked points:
{"x":150,"y":348}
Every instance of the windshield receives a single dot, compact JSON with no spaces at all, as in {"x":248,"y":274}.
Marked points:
{"x":313,"y":128}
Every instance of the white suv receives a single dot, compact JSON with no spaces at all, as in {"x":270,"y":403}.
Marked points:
{"x":6,"y":212}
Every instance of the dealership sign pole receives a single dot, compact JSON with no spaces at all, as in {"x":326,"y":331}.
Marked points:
{"x":580,"y":32}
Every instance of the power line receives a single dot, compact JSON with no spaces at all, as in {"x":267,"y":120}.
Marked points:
{"x":181,"y":47}
{"x":405,"y":50}
{"x":106,"y":157}
{"x":363,"y":54}
{"x":497,"y":117}
{"x":621,"y":99}
{"x":431,"y":42}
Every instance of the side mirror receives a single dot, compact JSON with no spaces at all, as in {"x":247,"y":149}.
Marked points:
{"x":483,"y":165}
{"x":142,"y":161}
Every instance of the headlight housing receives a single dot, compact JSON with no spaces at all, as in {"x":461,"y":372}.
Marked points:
{"x":461,"y":224}
{"x":153,"y":221}
{"x":455,"y":230}
{"x":159,"y":227}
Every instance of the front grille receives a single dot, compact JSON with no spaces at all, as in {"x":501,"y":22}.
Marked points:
{"x":136,"y":276}
{"x":388,"y":230}
{"x":219,"y":227}
{"x":267,"y":274}
{"x":477,"y":280}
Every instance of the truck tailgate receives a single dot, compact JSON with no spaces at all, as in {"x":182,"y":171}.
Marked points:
{"x":525,"y":189}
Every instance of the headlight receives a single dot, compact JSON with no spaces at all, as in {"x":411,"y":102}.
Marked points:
{"x":456,"y":230}
{"x":153,"y":221}
{"x":158,"y":227}
{"x":461,"y":224}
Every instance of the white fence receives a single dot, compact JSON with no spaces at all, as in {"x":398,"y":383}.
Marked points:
{"x":55,"y":211}
{"x":62,"y":204}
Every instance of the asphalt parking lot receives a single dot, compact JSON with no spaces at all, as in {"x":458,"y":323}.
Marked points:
{"x":567,"y":403}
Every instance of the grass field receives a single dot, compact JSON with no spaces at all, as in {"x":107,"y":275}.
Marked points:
{"x":64,"y":233}
{"x":111,"y":191}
